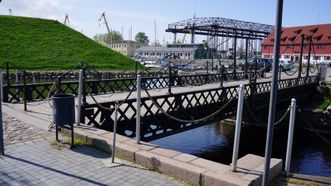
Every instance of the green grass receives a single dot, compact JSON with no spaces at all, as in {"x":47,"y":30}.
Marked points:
{"x":326,"y":99}
{"x":41,"y":44}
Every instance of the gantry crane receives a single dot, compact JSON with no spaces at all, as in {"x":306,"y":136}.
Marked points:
{"x":103,"y":15}
{"x":66,"y":20}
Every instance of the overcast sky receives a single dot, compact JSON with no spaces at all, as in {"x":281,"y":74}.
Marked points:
{"x":140,"y":14}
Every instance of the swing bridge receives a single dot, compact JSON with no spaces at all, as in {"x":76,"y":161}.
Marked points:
{"x":170,"y":103}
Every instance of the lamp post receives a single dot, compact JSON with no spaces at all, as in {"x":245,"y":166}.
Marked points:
{"x":273,"y":93}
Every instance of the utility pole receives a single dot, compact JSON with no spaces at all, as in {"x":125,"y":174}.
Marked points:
{"x":273,"y":93}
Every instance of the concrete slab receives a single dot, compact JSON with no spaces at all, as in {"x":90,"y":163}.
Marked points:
{"x":185,"y":157}
{"x":165,"y":152}
{"x":210,"y":165}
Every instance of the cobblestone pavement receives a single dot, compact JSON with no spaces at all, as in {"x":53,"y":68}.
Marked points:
{"x":16,"y":131}
{"x":32,"y":160}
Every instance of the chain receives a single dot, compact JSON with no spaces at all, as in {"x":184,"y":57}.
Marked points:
{"x":119,"y":104}
{"x":183,"y":120}
{"x":291,"y":73}
{"x":313,"y":71}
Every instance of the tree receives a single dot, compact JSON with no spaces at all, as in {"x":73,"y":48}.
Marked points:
{"x":108,"y":37}
{"x":142,"y":38}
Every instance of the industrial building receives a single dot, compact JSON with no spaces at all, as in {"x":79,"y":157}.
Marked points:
{"x":318,"y":36}
{"x":125,"y":47}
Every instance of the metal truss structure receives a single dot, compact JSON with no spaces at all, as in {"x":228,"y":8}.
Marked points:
{"x":222,"y":27}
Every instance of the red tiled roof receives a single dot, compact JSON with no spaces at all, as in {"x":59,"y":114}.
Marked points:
{"x":320,"y":33}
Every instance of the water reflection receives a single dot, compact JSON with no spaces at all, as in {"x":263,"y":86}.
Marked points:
{"x":215,"y":142}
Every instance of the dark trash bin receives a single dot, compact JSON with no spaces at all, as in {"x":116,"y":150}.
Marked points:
{"x":63,"y":109}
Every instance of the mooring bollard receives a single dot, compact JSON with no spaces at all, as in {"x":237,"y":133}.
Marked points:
{"x":238,"y":127}
{"x":138,"y":109}
{"x":114,"y":134}
{"x":79,"y":104}
{"x":290,"y":138}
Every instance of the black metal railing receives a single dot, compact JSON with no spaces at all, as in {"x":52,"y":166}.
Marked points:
{"x":189,"y":106}
{"x":40,"y":91}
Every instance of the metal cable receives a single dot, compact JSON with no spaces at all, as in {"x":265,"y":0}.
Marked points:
{"x":183,"y":120}
{"x":261,"y":122}
{"x":291,"y":73}
{"x":312,"y":127}
{"x":119,"y":104}
{"x":313,"y":71}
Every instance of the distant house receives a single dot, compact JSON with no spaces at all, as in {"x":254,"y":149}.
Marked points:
{"x":291,"y":42}
{"x":125,"y":47}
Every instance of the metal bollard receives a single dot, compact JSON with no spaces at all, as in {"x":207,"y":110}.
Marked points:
{"x":238,"y":127}
{"x":114,"y":134}
{"x":80,"y":89}
{"x":138,"y":109}
{"x":290,"y":137}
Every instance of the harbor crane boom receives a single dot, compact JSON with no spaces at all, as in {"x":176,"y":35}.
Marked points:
{"x":66,"y":20}
{"x":103,"y":15}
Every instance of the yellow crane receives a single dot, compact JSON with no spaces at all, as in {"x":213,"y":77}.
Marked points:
{"x":66,"y":20}
{"x":103,"y":15}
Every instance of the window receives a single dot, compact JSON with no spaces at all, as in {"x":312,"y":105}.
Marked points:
{"x":314,"y":30}
{"x":320,"y":46}
{"x":327,"y":57}
{"x":317,"y":57}
{"x":329,"y":38}
{"x":297,"y":31}
{"x":289,"y":46}
{"x":305,"y":57}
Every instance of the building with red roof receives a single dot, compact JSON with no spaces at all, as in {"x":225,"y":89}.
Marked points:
{"x":291,"y":42}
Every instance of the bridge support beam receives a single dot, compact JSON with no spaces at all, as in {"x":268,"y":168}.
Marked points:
{"x":235,"y":57}
{"x":301,"y":53}
{"x":246,"y":57}
{"x":309,"y":53}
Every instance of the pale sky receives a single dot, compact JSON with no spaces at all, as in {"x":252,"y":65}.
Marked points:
{"x":140,"y":14}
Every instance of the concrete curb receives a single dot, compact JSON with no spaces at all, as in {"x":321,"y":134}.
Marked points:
{"x":186,"y":167}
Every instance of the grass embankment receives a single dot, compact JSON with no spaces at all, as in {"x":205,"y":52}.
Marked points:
{"x":41,"y":44}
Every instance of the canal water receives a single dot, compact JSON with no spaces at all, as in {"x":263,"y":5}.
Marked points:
{"x":214,"y":142}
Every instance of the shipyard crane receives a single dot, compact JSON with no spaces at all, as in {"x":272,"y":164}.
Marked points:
{"x":103,"y":15}
{"x":66,"y":20}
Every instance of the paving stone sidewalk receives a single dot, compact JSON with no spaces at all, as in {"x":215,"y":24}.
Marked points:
{"x":31,"y":160}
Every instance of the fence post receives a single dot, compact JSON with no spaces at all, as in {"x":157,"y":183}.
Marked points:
{"x":25,"y":91}
{"x":238,"y":127}
{"x":138,"y":108}
{"x":58,"y":85}
{"x":1,"y":86}
{"x":84,"y":86}
{"x":290,"y":137}
{"x":2,"y":151}
{"x":170,"y":79}
{"x":114,"y":134}
{"x":79,"y":106}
